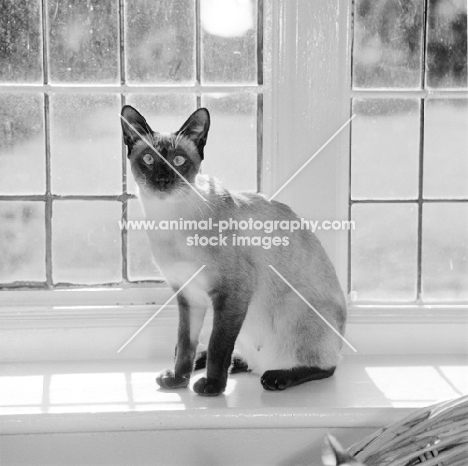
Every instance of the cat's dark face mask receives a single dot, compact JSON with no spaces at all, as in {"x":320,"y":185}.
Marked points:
{"x":164,"y":164}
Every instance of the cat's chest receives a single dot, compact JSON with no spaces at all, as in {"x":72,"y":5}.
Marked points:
{"x":166,"y":233}
{"x":169,"y":245}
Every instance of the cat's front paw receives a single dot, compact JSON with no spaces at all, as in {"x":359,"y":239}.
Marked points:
{"x":168,"y":380}
{"x":209,"y":387}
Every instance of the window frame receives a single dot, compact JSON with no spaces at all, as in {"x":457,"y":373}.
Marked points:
{"x":302,"y":107}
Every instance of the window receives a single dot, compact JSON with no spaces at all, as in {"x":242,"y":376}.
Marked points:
{"x":297,"y":100}
{"x":66,"y":68}
{"x":409,"y":152}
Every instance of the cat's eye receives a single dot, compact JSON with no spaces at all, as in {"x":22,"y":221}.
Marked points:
{"x":148,"y":159}
{"x":178,"y":160}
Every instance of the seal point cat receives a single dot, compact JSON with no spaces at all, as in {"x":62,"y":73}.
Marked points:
{"x":275,"y":333}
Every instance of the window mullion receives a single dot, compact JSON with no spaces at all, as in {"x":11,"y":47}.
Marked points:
{"x":48,"y":204}
{"x":198,"y":48}
{"x":420,"y":199}
{"x":260,"y":42}
{"x":48,"y":199}
{"x":122,"y":41}
{"x":125,"y":198}
{"x":421,"y":155}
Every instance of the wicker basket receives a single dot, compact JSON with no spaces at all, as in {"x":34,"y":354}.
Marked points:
{"x":433,"y":436}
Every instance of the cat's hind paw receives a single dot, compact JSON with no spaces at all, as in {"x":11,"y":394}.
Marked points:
{"x":275,"y":380}
{"x":169,"y":381}
{"x":239,"y":365}
{"x":284,"y":378}
{"x":209,"y":387}
{"x":200,"y":360}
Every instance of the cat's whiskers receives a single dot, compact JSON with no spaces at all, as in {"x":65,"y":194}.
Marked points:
{"x":192,"y":202}
{"x":206,"y":202}
{"x":180,"y":191}
{"x":209,"y":204}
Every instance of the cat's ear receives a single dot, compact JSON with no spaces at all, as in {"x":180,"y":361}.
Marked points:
{"x":196,"y":128}
{"x":134,"y":126}
{"x":333,"y":454}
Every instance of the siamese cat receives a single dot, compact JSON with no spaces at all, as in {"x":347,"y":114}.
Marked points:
{"x":275,"y":333}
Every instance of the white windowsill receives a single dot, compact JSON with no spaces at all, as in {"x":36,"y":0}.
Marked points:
{"x":366,"y":391}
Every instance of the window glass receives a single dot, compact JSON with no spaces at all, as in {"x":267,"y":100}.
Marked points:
{"x":160,"y":41}
{"x":387,"y":48}
{"x":22,"y":241}
{"x":384,"y":252}
{"x":446,"y":44}
{"x":86,"y":150}
{"x":22,"y":146}
{"x":86,"y":245}
{"x":20,"y":41}
{"x":83,"y":41}
{"x":385,"y":148}
{"x":229,"y":44}
{"x":231,"y":150}
{"x":445,"y":252}
{"x":446,"y":149}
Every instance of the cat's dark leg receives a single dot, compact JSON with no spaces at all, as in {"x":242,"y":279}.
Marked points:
{"x":238,"y":364}
{"x":284,"y":378}
{"x":200,"y":360}
{"x":229,"y":314}
{"x":190,"y":324}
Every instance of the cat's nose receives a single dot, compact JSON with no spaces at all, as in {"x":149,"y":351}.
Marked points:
{"x":164,"y":182}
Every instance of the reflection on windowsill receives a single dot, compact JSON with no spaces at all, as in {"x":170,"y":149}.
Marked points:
{"x":93,"y":392}
{"x":421,"y":385}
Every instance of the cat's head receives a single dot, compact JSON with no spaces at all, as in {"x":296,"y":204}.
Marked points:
{"x":333,"y":454}
{"x":163,"y":164}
